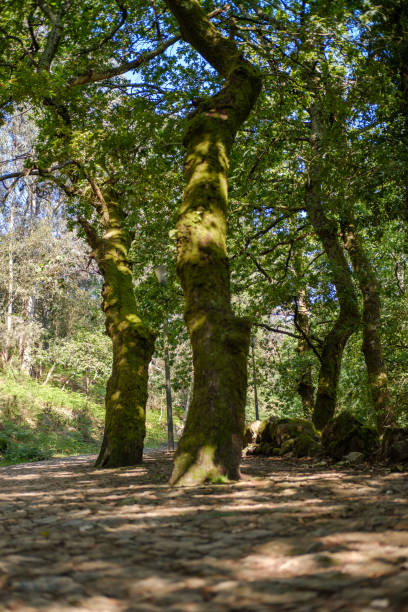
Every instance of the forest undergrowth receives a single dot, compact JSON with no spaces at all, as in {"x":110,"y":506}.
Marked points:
{"x":39,"y":421}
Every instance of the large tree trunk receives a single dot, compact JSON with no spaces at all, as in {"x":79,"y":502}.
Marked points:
{"x":371,"y":347}
{"x":211,"y":444}
{"x":348,"y":319}
{"x":132,"y":343}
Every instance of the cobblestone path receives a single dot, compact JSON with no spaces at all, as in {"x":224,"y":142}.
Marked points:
{"x":291,"y":535}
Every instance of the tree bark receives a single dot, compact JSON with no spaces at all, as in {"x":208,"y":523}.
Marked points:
{"x":169,"y":400}
{"x":371,"y":347}
{"x":49,"y":374}
{"x":27,"y":339}
{"x":10,"y":294}
{"x":348,"y":320}
{"x":211,"y":444}
{"x":305,"y":385}
{"x":132,"y":343}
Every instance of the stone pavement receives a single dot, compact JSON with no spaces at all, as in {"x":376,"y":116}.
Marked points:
{"x":292,"y":535}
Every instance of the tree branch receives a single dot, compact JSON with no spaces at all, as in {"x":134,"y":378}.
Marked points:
{"x":277,"y":330}
{"x":54,"y":35}
{"x":35,"y":171}
{"x":93,"y":77}
{"x":303,"y":334}
{"x":267,"y":229}
{"x":259,"y":267}
{"x":197,"y":29}
{"x":285,"y":242}
{"x":110,"y":35}
{"x":90,"y":232}
{"x":34,"y":43}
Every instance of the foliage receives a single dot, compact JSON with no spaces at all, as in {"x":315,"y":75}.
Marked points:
{"x":85,"y":353}
{"x":40,"y":421}
{"x":70,"y":101}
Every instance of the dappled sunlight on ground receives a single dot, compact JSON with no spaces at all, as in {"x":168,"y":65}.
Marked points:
{"x":289,"y":536}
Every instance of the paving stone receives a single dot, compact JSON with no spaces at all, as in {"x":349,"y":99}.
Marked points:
{"x":50,"y":584}
{"x":292,"y":536}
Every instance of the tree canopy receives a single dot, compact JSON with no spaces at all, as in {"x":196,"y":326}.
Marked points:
{"x":285,"y":223}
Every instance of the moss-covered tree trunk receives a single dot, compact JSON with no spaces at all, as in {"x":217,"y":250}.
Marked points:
{"x":211,"y":444}
{"x":305,"y":384}
{"x":348,"y":319}
{"x":371,"y":347}
{"x":132,"y":343}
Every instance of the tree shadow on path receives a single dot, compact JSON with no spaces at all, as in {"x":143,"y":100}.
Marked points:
{"x":289,"y":536}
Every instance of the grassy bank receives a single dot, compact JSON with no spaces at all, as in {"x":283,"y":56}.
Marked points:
{"x":40,"y":421}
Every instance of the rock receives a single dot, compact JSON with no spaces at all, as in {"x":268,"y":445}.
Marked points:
{"x":277,"y":437}
{"x":287,"y":446}
{"x":251,"y":432}
{"x":307,"y":446}
{"x":354,"y":457}
{"x":346,"y":434}
{"x":394,"y":445}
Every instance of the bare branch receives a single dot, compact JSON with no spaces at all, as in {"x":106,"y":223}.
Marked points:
{"x":125,"y":86}
{"x":17,"y":158}
{"x":277,"y":330}
{"x":35,"y":171}
{"x":291,"y":241}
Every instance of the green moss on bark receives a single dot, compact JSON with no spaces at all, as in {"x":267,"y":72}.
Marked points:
{"x":211,"y":445}
{"x":132,"y":344}
{"x":371,"y":347}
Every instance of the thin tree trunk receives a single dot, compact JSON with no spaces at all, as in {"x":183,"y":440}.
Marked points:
{"x":187,"y":405}
{"x":27,"y":341}
{"x":211,"y":444}
{"x":305,"y":385}
{"x":66,"y":382}
{"x":256,"y":405}
{"x":348,"y":320}
{"x":169,"y":401}
{"x":10,"y":292}
{"x":132,"y":343}
{"x":371,"y":347}
{"x":49,"y":374}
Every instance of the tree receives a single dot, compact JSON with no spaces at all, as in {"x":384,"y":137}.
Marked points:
{"x":318,"y":98}
{"x":49,"y":42}
{"x":212,"y":440}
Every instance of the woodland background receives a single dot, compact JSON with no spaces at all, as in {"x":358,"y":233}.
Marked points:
{"x":342,"y":62}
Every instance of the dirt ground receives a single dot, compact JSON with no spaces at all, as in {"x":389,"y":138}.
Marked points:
{"x":292,"y":535}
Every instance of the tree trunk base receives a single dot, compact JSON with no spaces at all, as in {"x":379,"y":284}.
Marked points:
{"x":211,"y":446}
{"x":200,"y":465}
{"x":119,"y":455}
